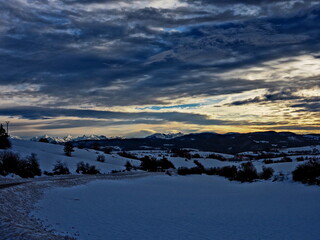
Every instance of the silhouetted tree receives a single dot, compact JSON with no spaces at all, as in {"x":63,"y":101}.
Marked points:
{"x":4,"y":138}
{"x":128,"y":166}
{"x":60,"y":168}
{"x":68,"y":149}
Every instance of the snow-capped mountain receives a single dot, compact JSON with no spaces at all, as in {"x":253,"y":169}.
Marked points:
{"x":165,"y":135}
{"x":68,"y":138}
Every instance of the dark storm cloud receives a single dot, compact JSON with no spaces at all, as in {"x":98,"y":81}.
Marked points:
{"x":119,"y":57}
{"x":104,"y":118}
{"x":309,"y":105}
{"x":35,"y":113}
{"x":285,"y":94}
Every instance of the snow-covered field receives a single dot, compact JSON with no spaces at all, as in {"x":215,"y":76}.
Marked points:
{"x":141,"y":205}
{"x":192,"y":207}
{"x":49,"y":154}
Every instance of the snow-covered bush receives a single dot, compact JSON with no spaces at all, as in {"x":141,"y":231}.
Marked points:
{"x":60,"y":168}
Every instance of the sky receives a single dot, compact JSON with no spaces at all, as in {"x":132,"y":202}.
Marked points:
{"x":135,"y":67}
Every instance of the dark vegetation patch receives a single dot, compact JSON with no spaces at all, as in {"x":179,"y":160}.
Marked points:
{"x":308,"y":173}
{"x":245,"y":173}
{"x":27,"y":167}
{"x":86,"y":168}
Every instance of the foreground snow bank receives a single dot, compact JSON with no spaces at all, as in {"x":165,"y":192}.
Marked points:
{"x":192,"y":207}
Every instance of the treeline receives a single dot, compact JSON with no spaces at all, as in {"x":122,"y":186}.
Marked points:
{"x":246,"y":172}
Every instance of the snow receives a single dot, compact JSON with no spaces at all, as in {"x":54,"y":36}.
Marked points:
{"x":48,"y":154}
{"x":165,"y":135}
{"x":152,"y":206}
{"x":68,"y":138}
{"x":297,"y":149}
{"x":191,"y":207}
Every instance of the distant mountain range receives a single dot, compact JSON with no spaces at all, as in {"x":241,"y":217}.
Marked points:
{"x":68,"y":138}
{"x":165,"y":135}
{"x":224,"y":143}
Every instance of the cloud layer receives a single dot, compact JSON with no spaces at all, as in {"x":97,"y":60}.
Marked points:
{"x":141,"y":57}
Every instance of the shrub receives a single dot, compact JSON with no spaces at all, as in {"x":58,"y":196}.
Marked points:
{"x":148,"y":164}
{"x":247,"y":173}
{"x":164,"y":163}
{"x":48,"y":173}
{"x":85,"y":168}
{"x":29,"y":167}
{"x":128,"y":166}
{"x":43,"y":140}
{"x":199,"y":165}
{"x":266,"y":173}
{"x":101,"y":158}
{"x":229,"y":172}
{"x":9,"y":162}
{"x":68,"y":149}
{"x":282,"y":160}
{"x":181,"y":153}
{"x":216,"y":156}
{"x":187,"y":171}
{"x":300,"y":159}
{"x":285,"y":159}
{"x":196,"y":155}
{"x":268,"y":161}
{"x":153,"y":165}
{"x":128,"y":155}
{"x":12,"y":163}
{"x":107,"y":150}
{"x":60,"y":168}
{"x":307,"y":173}
{"x":96,"y":146}
{"x":81,"y":145}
